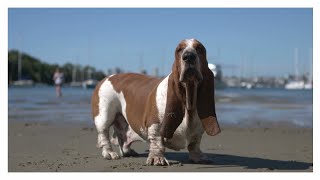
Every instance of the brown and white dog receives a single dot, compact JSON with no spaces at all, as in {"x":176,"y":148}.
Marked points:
{"x":172,"y":112}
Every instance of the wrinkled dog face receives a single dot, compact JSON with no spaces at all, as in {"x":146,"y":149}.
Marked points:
{"x":191,"y":54}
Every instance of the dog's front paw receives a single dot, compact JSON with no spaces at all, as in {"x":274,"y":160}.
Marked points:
{"x":200,"y":158}
{"x":107,"y":154}
{"x":157,"y":160}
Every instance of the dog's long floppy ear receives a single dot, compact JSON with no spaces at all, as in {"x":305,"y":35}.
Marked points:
{"x":174,"y":110}
{"x":206,"y":103}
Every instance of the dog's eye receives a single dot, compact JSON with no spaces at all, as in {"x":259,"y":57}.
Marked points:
{"x":199,"y":49}
{"x":179,"y":49}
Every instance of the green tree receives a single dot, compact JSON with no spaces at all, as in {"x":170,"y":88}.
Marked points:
{"x":41,"y":72}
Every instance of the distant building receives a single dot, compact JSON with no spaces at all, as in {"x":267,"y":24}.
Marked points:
{"x":217,"y":72}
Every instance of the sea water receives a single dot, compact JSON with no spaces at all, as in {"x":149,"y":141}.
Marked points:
{"x":241,"y":107}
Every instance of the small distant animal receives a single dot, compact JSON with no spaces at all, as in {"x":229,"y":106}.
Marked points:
{"x":172,"y":112}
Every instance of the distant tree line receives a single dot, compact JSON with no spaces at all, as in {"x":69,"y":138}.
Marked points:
{"x":41,"y":72}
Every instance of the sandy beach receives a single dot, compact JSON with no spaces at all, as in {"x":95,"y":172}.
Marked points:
{"x":71,"y":147}
{"x":262,"y":130}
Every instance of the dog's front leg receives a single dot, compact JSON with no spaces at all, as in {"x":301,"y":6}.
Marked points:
{"x":157,"y":149}
{"x":195,"y":154}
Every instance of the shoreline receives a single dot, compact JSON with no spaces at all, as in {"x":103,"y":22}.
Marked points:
{"x":71,"y":147}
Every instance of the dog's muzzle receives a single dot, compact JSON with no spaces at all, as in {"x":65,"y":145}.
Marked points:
{"x":190,"y":68}
{"x":189,"y":58}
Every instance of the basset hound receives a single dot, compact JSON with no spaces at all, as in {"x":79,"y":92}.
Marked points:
{"x":172,"y":112}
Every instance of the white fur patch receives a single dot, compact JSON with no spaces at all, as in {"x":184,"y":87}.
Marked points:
{"x":123,"y":104}
{"x":161,"y":97}
{"x":144,"y":132}
{"x":189,"y":43}
{"x":189,"y":48}
{"x":108,"y":105}
{"x":185,"y":131}
{"x":110,"y":102}
{"x":154,"y":138}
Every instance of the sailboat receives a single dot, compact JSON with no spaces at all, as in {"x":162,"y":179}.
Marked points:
{"x":296,"y":83}
{"x":309,"y":84}
{"x":21,"y":82}
{"x":89,"y":83}
{"x":75,"y":83}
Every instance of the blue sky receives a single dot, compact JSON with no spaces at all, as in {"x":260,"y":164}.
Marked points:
{"x":251,"y":42}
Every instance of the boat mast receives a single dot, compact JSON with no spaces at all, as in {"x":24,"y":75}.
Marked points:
{"x":20,"y":40}
{"x":74,"y":73}
{"x":296,"y":54}
{"x":311,"y":71}
{"x":89,"y":73}
{"x":19,"y":64}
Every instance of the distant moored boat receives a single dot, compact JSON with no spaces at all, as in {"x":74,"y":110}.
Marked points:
{"x":295,"y":85}
{"x":89,"y":83}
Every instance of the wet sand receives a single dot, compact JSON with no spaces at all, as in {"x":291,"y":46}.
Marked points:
{"x":71,"y":147}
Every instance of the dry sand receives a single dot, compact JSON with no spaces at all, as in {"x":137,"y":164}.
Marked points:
{"x":35,"y":146}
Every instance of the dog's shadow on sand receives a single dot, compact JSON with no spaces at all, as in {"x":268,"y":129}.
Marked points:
{"x":225,"y":160}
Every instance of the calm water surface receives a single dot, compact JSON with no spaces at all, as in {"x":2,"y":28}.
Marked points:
{"x":234,"y":106}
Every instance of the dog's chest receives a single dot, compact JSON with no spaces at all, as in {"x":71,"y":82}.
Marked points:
{"x":189,"y":128}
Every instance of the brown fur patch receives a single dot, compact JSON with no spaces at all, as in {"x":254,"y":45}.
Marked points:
{"x":205,"y":100}
{"x":211,"y":125}
{"x":174,"y":109}
{"x":139,"y":92}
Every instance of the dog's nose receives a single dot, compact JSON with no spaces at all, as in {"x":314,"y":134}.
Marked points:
{"x":189,"y":57}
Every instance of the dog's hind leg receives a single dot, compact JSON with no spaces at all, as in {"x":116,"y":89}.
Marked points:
{"x":122,"y":135}
{"x":103,"y":122}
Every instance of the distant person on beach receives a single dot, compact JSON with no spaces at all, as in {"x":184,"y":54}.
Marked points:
{"x":58,"y":80}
